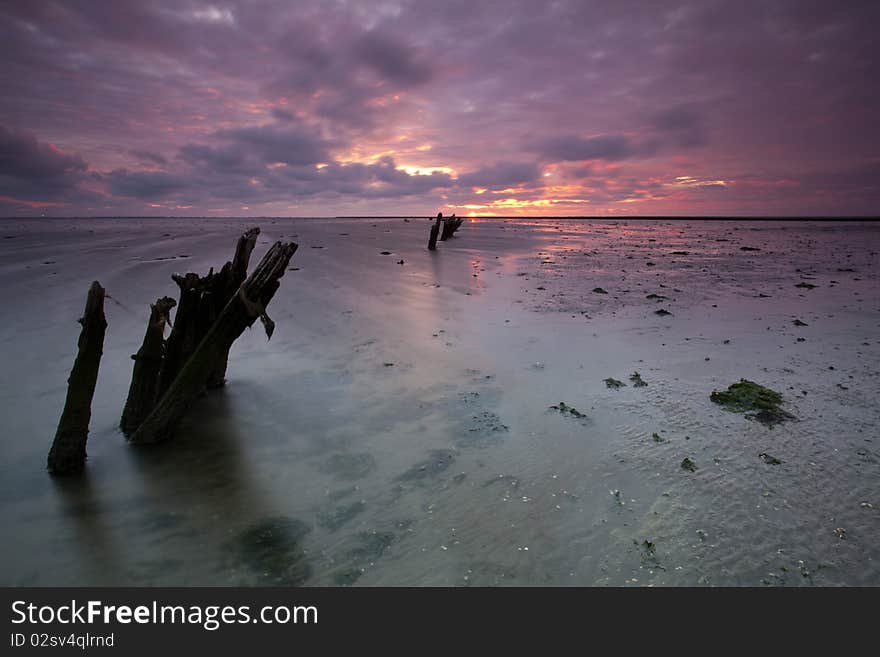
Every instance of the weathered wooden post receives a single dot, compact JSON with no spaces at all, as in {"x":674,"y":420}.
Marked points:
{"x":231,"y":276}
{"x":185,"y":334}
{"x":435,"y":230}
{"x":68,"y":452}
{"x":450,"y":225}
{"x":242,"y":310}
{"x":144,"y":390}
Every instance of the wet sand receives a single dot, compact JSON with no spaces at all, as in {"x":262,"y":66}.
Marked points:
{"x":398,"y":429}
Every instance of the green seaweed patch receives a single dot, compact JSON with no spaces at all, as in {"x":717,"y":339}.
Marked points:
{"x":769,"y":460}
{"x":614,"y":384}
{"x":565,"y":409}
{"x":637,"y":380}
{"x":599,"y":290}
{"x":759,"y":403}
{"x":806,"y":286}
{"x":658,"y":438}
{"x":688,"y":464}
{"x":798,"y":322}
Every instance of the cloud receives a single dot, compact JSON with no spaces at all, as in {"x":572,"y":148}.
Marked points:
{"x":393,"y":60}
{"x":270,"y":144}
{"x":22,"y":156}
{"x":211,"y":98}
{"x":501,"y":175}
{"x":149,"y":157}
{"x":683,"y":124}
{"x":150,"y":185}
{"x":575,"y":148}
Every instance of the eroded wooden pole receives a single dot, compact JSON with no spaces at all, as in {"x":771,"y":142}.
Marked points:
{"x":225,"y":285}
{"x":68,"y":451}
{"x":435,"y":231}
{"x":144,"y":390}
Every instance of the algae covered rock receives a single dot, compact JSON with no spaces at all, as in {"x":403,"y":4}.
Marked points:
{"x":759,"y":403}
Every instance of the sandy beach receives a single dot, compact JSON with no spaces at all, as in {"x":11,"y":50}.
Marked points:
{"x":399,"y":428}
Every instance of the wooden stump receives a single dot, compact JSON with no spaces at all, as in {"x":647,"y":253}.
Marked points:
{"x":68,"y":452}
{"x":187,"y":330}
{"x":450,"y":225}
{"x":435,"y":230}
{"x":242,"y":310}
{"x":224,"y":285}
{"x":144,"y":390}
{"x":202,"y":298}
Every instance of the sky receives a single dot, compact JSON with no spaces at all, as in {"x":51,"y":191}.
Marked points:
{"x":334,"y":107}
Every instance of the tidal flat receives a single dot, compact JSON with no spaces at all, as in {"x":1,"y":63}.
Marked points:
{"x":529,"y":405}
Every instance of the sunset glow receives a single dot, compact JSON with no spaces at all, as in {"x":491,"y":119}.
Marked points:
{"x":730,"y":108}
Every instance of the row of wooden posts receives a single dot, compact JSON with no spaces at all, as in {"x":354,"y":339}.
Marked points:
{"x":170,"y":374}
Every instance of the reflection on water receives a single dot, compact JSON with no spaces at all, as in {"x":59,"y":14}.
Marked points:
{"x":399,"y":428}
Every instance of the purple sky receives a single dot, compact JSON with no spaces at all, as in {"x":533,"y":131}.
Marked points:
{"x":274,"y":107}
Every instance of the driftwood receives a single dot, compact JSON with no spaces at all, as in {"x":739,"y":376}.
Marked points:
{"x":450,"y":225}
{"x":68,"y":452}
{"x":241,"y":311}
{"x":144,"y":390}
{"x":435,"y":231}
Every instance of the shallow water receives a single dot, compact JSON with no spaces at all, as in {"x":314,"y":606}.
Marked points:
{"x":397,"y":428}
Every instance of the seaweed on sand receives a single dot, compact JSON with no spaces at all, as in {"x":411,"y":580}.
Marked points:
{"x":614,"y":384}
{"x":759,"y":403}
{"x":637,"y":380}
{"x":565,"y":409}
{"x":688,"y":464}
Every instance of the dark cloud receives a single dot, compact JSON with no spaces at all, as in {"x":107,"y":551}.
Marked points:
{"x":22,"y":156}
{"x":393,"y":60}
{"x":150,"y":185}
{"x":575,"y":148}
{"x":282,"y":114}
{"x":149,"y":157}
{"x":683,"y":124}
{"x":501,"y":175}
{"x":270,"y":144}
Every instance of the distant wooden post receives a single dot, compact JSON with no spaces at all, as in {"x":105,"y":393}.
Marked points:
{"x":68,"y":452}
{"x":144,"y":390}
{"x":435,"y":231}
{"x":243,"y":309}
{"x":450,"y":225}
